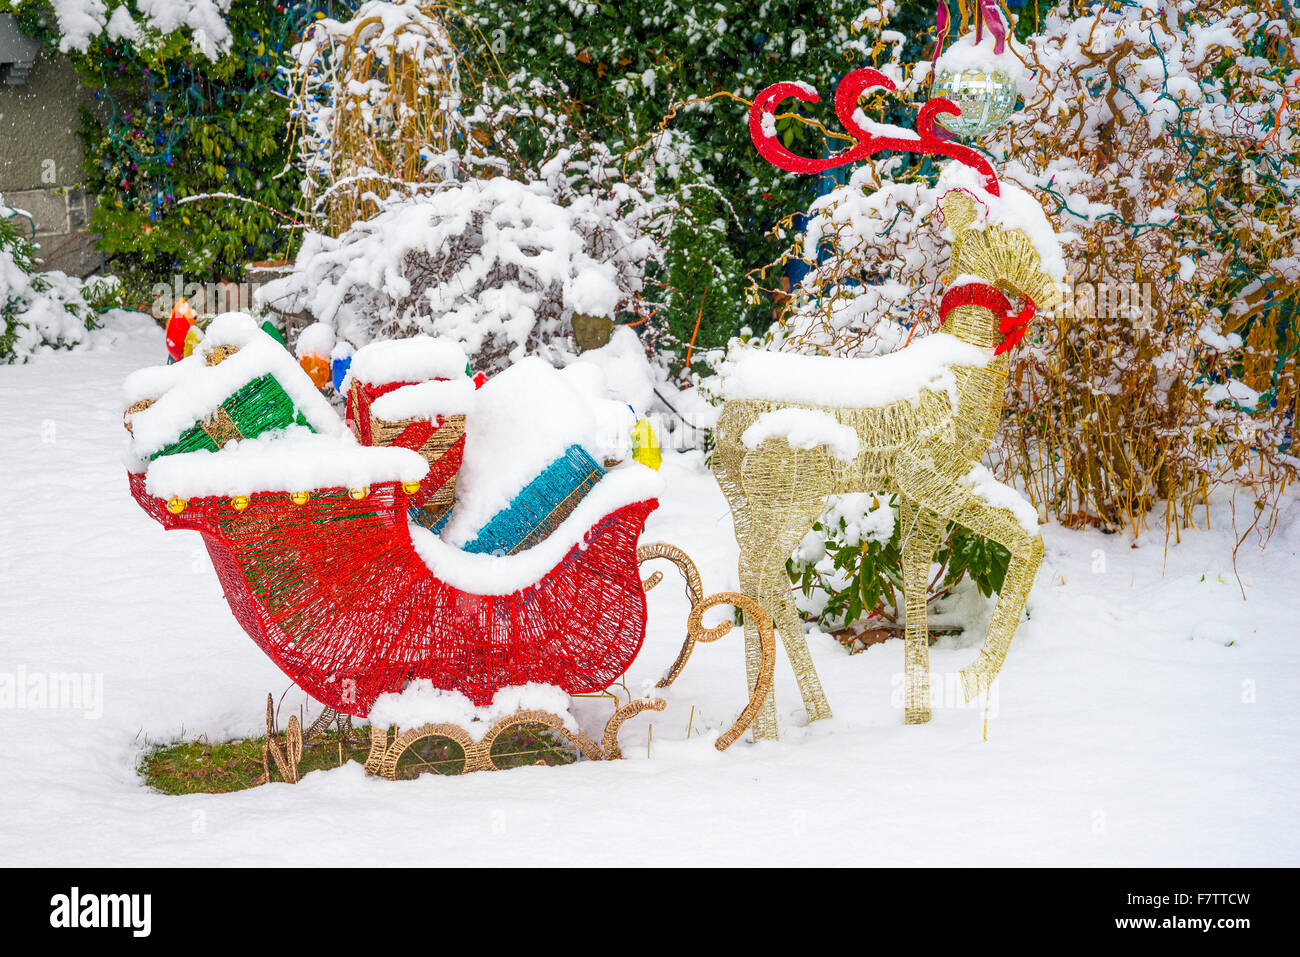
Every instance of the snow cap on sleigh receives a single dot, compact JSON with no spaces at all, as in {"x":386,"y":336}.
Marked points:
{"x":535,"y":440}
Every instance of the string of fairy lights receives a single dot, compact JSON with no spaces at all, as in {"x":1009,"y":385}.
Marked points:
{"x":144,"y":137}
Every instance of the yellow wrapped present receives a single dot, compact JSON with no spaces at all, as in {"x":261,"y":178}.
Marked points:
{"x":645,"y":445}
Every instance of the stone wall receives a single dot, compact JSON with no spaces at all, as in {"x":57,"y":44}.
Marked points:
{"x":41,"y":155}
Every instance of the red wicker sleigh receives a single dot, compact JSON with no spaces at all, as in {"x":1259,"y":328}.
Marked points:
{"x":334,"y":592}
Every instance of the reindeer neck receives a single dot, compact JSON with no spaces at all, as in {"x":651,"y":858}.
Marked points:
{"x":972,"y":324}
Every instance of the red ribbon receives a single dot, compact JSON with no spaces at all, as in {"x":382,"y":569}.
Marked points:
{"x":1011,"y":325}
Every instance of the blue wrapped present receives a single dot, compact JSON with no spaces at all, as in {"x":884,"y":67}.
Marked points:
{"x":541,"y":506}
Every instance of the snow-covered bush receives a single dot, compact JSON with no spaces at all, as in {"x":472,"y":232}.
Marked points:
{"x":1162,"y":136}
{"x":848,"y":568}
{"x":497,"y":265}
{"x":376,"y":107}
{"x":78,"y":22}
{"x":37,"y":308}
{"x":501,"y":253}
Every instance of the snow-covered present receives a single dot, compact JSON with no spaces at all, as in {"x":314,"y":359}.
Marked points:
{"x":421,"y":703}
{"x":484,"y":574}
{"x":425,"y":401}
{"x":858,"y":383}
{"x":190,"y":390}
{"x":1000,"y":495}
{"x":803,"y":429}
{"x":413,"y":359}
{"x":523,"y":419}
{"x":292,"y":460}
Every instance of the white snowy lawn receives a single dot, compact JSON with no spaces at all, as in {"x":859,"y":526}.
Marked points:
{"x":1147,"y":715}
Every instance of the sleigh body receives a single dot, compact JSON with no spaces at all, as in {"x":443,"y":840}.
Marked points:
{"x":335,"y":593}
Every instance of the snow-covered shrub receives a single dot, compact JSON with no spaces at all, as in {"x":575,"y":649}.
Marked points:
{"x":78,"y":22}
{"x":848,"y":568}
{"x":36,"y":308}
{"x":498,"y":257}
{"x":1162,"y":136}
{"x":497,"y":265}
{"x":376,"y":106}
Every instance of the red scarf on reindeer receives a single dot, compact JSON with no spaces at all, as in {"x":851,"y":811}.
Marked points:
{"x":1011,"y":325}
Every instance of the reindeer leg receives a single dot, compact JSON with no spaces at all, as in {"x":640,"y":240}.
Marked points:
{"x":781,"y":504}
{"x":774,"y":594}
{"x":752,"y":560}
{"x":922,"y":529}
{"x":763,"y":577}
{"x":959,"y":504}
{"x":1026,"y":555}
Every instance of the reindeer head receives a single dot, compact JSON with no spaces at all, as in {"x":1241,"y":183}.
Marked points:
{"x":1004,"y":258}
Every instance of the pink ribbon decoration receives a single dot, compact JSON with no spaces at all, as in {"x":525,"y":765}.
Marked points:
{"x":867,"y":143}
{"x":987,"y":12}
{"x":941,"y":33}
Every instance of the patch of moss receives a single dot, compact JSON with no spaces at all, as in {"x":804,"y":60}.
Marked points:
{"x":203,"y":767}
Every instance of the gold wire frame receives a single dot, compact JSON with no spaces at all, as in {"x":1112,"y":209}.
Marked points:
{"x":287,"y":755}
{"x":760,"y":654}
{"x":921,"y":450}
{"x":384,"y":755}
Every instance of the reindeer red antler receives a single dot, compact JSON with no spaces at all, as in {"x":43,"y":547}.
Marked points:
{"x":868,"y":143}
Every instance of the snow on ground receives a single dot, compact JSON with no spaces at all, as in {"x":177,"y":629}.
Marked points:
{"x":1142,"y":718}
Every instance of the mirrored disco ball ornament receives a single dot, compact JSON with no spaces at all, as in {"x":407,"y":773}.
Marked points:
{"x":986,"y":97}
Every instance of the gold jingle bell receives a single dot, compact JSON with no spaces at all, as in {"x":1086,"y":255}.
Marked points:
{"x":358,"y":494}
{"x":299,"y":498}
{"x":176,"y":505}
{"x":410,"y":488}
{"x":239,"y":503}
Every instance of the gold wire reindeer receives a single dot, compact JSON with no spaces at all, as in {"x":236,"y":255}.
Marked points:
{"x":922,"y":449}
